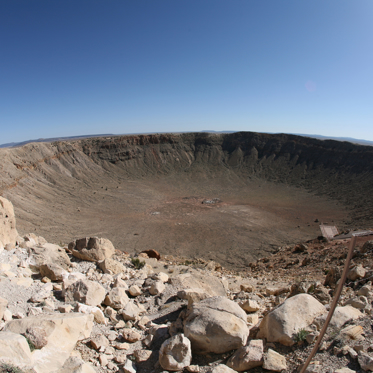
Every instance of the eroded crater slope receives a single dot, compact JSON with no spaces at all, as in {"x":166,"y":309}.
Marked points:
{"x":227,"y":197}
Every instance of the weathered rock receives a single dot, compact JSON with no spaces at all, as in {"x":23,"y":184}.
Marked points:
{"x":274,"y":361}
{"x":216,"y":325}
{"x":332,"y":277}
{"x":53,"y":271}
{"x":250,"y":305}
{"x":356,"y":273}
{"x":193,"y":295}
{"x":142,"y":355}
{"x":175,"y":353}
{"x":160,"y":276}
{"x":117,"y":298}
{"x":99,"y":341}
{"x":221,"y":368}
{"x":48,"y":253}
{"x":111,"y":266}
{"x":296,"y":313}
{"x":365,"y":290}
{"x":8,"y":231}
{"x":152,"y":254}
{"x":43,"y":293}
{"x":368,"y":246}
{"x":14,"y":349}
{"x":37,"y":336}
{"x":131,"y":311}
{"x":358,"y":302}
{"x":85,"y":291}
{"x":3,"y":305}
{"x":341,"y":316}
{"x":194,"y":279}
{"x":352,"y":332}
{"x":344,"y":370}
{"x":76,"y":365}
{"x":92,"y":249}
{"x":129,"y":366}
{"x":247,"y":357}
{"x":277,"y":290}
{"x":252,"y":318}
{"x":119,"y":283}
{"x":131,"y":335}
{"x":135,"y":291}
{"x":157,"y":288}
{"x":62,"y":333}
{"x":365,"y":361}
{"x":95,"y":311}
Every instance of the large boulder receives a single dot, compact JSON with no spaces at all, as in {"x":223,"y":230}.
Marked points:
{"x":194,"y":279}
{"x":92,"y":249}
{"x":341,"y":316}
{"x":49,"y":253}
{"x":217,"y":325}
{"x":8,"y":231}
{"x":85,"y":291}
{"x":62,"y":332}
{"x":175,"y":353}
{"x":296,"y":313}
{"x":14,"y":349}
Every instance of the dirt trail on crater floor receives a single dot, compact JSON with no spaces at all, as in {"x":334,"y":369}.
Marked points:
{"x":230,"y":198}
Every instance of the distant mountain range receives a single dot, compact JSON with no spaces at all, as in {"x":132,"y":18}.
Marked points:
{"x":16,"y":144}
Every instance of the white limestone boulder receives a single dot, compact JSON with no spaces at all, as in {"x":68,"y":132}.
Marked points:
{"x":92,"y":249}
{"x":14,"y":349}
{"x":296,"y":313}
{"x":175,"y":353}
{"x":85,"y":291}
{"x":217,"y":325}
{"x":62,"y":332}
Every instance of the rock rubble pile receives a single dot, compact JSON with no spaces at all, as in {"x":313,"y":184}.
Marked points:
{"x":88,"y":308}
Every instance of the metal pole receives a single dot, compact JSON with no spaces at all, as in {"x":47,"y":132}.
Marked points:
{"x":334,"y":303}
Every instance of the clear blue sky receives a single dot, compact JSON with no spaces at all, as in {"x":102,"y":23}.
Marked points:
{"x":77,"y":67}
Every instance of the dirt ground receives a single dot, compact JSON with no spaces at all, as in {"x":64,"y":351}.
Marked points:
{"x":175,"y":217}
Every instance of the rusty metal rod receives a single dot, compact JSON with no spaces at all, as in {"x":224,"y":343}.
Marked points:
{"x":333,"y":305}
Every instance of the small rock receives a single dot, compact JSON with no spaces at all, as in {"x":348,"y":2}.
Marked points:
{"x":365,"y":361}
{"x":175,"y":353}
{"x":247,"y":357}
{"x":356,"y":273}
{"x":250,"y":306}
{"x":131,"y":335}
{"x":99,"y":341}
{"x":142,"y":355}
{"x":135,"y":291}
{"x":157,"y":288}
{"x":274,"y":361}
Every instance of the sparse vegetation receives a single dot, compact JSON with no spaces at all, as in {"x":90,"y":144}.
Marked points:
{"x":7,"y":368}
{"x":301,"y":335}
{"x":30,"y":344}
{"x":137,"y":263}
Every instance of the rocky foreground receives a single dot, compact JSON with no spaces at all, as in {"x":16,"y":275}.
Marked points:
{"x":89,"y":308}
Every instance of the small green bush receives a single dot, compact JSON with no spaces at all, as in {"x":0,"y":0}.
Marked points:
{"x":137,"y":263}
{"x":301,"y":335}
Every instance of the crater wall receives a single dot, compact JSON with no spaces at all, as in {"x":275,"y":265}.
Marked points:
{"x":149,"y":190}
